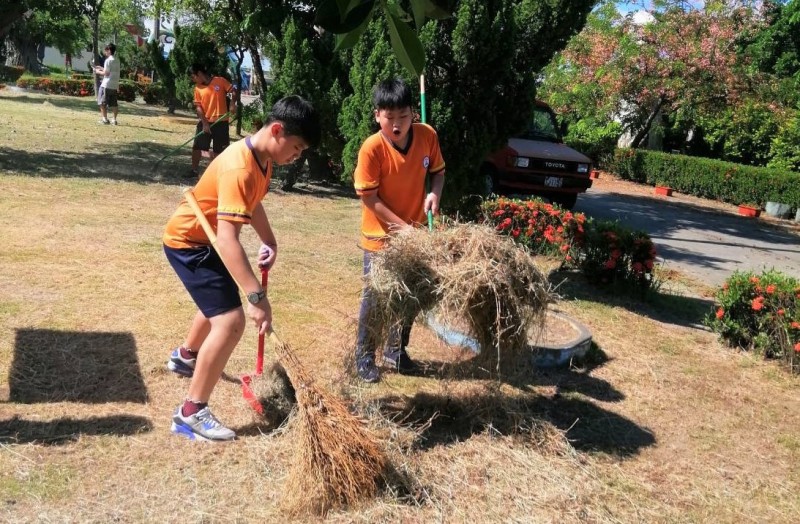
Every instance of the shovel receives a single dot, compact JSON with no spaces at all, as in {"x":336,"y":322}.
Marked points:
{"x":247,"y":380}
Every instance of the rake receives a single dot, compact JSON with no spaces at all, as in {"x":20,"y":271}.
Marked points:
{"x":175,"y":150}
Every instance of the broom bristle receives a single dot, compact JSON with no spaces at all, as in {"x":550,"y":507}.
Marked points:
{"x":338,"y":461}
{"x":275,"y":393}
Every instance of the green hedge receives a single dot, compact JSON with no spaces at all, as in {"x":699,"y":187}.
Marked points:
{"x":707,"y":178}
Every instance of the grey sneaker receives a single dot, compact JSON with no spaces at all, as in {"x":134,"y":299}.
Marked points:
{"x":179,"y":365}
{"x":202,"y":426}
{"x":104,"y":121}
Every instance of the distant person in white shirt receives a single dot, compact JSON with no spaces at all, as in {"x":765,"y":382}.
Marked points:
{"x":107,"y":94}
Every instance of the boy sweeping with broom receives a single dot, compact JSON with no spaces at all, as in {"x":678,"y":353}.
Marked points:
{"x":229,"y":193}
{"x":390,"y":179}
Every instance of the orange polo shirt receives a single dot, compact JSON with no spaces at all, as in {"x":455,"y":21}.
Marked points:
{"x":212,"y":98}
{"x":398,"y":177}
{"x":231,"y":187}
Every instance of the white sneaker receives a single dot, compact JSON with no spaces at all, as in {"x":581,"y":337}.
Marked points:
{"x":104,"y":121}
{"x":114,"y":122}
{"x":203,"y":425}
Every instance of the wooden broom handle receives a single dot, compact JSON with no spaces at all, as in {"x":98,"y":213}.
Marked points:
{"x":188,"y":193}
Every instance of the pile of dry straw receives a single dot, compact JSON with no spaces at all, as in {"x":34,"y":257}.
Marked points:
{"x":469,"y":276}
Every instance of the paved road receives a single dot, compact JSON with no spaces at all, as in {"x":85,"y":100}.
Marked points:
{"x":705,"y":244}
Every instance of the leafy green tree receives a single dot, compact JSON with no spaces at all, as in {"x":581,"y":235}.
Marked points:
{"x":370,"y":61}
{"x":785,"y":147}
{"x":482,"y":70}
{"x":193,"y":45}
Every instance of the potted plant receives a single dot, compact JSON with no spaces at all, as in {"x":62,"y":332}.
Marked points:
{"x":749,"y":210}
{"x":663,"y":190}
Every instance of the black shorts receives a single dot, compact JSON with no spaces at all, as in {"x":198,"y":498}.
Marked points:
{"x":206,"y":279}
{"x":107,"y":97}
{"x":220,"y":134}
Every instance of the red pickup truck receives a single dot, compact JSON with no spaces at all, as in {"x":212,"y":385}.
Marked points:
{"x":536,"y":162}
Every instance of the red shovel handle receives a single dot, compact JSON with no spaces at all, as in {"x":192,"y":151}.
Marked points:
{"x":260,"y":354}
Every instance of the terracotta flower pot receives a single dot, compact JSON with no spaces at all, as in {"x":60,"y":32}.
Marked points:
{"x":749,"y":211}
{"x":594,"y":174}
{"x":663,"y":190}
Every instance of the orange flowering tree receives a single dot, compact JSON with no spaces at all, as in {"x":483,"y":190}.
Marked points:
{"x":760,"y":313}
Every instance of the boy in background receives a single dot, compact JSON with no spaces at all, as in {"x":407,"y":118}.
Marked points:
{"x":390,"y":179}
{"x":230,"y":194}
{"x":107,"y":94}
{"x":210,"y":103}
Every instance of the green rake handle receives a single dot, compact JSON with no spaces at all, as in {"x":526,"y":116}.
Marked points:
{"x":172,"y":152}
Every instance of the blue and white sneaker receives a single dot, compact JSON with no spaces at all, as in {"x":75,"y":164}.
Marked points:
{"x":182,"y":366}
{"x":202,"y":426}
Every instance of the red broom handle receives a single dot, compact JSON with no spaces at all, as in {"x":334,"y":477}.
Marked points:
{"x":260,"y":355}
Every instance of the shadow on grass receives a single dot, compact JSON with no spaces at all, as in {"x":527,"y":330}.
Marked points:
{"x":66,"y":430}
{"x":67,"y":366}
{"x":445,"y":419}
{"x":83,"y":104}
{"x":664,"y":307}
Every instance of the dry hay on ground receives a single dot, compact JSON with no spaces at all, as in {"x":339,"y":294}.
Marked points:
{"x":275,"y":393}
{"x":469,"y":275}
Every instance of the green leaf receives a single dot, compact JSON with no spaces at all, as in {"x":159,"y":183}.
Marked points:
{"x":418,"y":8}
{"x":434,"y":11}
{"x":406,"y":45}
{"x":348,"y":40}
{"x":329,"y":15}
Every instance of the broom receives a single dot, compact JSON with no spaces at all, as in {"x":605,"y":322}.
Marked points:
{"x":339,"y":461}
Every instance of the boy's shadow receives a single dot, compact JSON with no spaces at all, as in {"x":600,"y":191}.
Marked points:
{"x":443,"y":419}
{"x":573,"y":378}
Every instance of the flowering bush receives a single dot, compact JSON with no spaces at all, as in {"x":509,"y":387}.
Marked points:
{"x":606,"y":252}
{"x":542,"y":228}
{"x":73,"y":87}
{"x":760,"y":313}
{"x":616,"y":255}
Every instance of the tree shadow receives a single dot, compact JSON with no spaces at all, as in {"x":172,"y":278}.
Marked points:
{"x":66,"y":430}
{"x":68,"y":366}
{"x":446,"y":419}
{"x":669,"y":308}
{"x":82,"y":104}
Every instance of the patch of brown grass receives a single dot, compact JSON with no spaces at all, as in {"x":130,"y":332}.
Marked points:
{"x":82,"y":255}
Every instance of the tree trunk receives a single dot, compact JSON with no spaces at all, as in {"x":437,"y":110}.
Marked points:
{"x":259,"y":71}
{"x":637,"y":140}
{"x":240,"y":55}
{"x":22,"y":52}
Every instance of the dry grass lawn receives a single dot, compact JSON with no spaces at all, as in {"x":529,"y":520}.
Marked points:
{"x":663,"y":425}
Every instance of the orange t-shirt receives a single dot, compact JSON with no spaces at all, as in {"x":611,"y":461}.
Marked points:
{"x":398,"y":177}
{"x":230,"y":189}
{"x":212,"y":98}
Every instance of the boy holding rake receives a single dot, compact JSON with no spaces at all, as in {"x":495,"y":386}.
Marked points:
{"x":229,"y":193}
{"x":390,"y":179}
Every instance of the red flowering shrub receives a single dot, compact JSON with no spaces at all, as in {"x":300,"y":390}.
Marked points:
{"x":73,"y":87}
{"x":542,"y":228}
{"x":613,"y":254}
{"x":760,"y":313}
{"x":606,"y":252}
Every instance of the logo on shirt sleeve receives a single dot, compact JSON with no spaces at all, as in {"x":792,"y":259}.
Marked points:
{"x":426,"y":162}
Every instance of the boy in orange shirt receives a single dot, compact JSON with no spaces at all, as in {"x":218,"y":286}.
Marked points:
{"x":230,"y":194}
{"x":210,"y":103}
{"x":390,"y":179}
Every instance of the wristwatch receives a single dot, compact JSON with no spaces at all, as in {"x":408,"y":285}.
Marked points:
{"x":256,"y":296}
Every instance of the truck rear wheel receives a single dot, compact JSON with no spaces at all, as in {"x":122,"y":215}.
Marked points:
{"x":565,"y":200}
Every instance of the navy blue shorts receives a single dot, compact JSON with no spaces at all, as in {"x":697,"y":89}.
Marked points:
{"x":206,"y":279}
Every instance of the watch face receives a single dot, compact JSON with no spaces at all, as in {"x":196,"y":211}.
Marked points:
{"x":253,"y":298}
